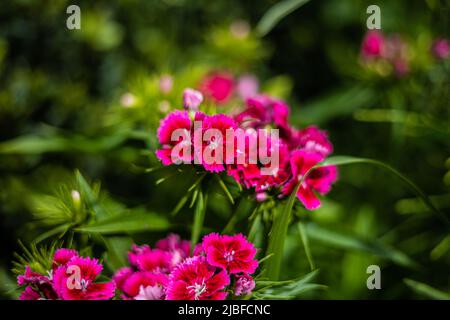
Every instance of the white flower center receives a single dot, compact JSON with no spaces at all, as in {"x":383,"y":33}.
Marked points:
{"x":229,"y":256}
{"x":198,"y":289}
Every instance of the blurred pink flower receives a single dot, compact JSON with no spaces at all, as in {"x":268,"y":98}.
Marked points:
{"x":165,"y":83}
{"x":373,"y":44}
{"x":192,"y":99}
{"x":247,"y":86}
{"x":441,"y":48}
{"x":218,"y":86}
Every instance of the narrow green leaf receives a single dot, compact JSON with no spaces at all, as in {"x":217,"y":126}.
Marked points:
{"x":61,"y":229}
{"x":127,"y":223}
{"x":426,"y":290}
{"x":345,"y":160}
{"x":180,"y":205}
{"x":305,"y":241}
{"x":353,"y":242}
{"x":277,"y":237}
{"x":276,"y":13}
{"x":199,"y":217}
{"x":225,"y":189}
{"x":116,"y":251}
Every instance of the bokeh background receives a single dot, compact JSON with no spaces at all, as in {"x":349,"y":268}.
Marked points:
{"x":89,"y":99}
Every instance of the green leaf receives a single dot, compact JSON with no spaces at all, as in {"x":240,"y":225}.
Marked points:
{"x":345,"y":160}
{"x":426,"y":290}
{"x":276,"y":13}
{"x":277,"y":237}
{"x":225,"y":189}
{"x":127,"y":223}
{"x":353,"y":242}
{"x":116,"y":251}
{"x":305,"y":241}
{"x":199,"y":217}
{"x":287,"y":289}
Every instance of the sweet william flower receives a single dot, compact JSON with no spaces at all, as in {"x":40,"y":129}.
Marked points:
{"x":192,"y":99}
{"x":313,"y":139}
{"x":195,"y":279}
{"x":373,"y":45}
{"x":75,"y":280}
{"x":218,"y":86}
{"x":319,"y":180}
{"x":177,"y":120}
{"x":141,"y":285}
{"x":234,"y":254}
{"x":441,"y":48}
{"x":244,"y":284}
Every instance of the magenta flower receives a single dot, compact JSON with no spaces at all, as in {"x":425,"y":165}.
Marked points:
{"x":244,"y":284}
{"x":211,"y":151}
{"x":75,"y":281}
{"x":141,"y":285}
{"x":38,"y":286}
{"x":313,"y":139}
{"x":218,"y":86}
{"x":373,"y":45}
{"x":441,"y":48}
{"x":177,"y":120}
{"x":195,"y":279}
{"x":192,"y":99}
{"x":180,"y":249}
{"x":319,"y":180}
{"x":232,"y":253}
{"x":62,"y":256}
{"x":155,"y":260}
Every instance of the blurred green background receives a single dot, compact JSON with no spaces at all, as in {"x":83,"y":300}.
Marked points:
{"x":63,"y":106}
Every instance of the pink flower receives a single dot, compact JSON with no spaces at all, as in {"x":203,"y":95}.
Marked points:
{"x":211,"y":151}
{"x":192,"y":99}
{"x":75,"y":281}
{"x":142,"y":285}
{"x":232,"y":253}
{"x":313,"y":139}
{"x":165,"y":84}
{"x":218,"y":86}
{"x":136,"y":252}
{"x":37,"y":285}
{"x":373,"y":45}
{"x":247,"y":86}
{"x":62,"y":256}
{"x":441,"y":48}
{"x":155,"y":260}
{"x":250,"y":174}
{"x":319,"y":180}
{"x":244,"y":284}
{"x":180,"y":249}
{"x":195,"y":279}
{"x":177,"y":120}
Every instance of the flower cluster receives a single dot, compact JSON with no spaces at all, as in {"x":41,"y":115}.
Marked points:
{"x":389,"y":50}
{"x":219,"y":265}
{"x":243,"y":143}
{"x":71,"y":277}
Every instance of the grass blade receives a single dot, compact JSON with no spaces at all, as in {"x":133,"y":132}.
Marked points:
{"x":199,"y":217}
{"x":276,"y":13}
{"x":277,"y":237}
{"x":345,"y":160}
{"x":426,"y":290}
{"x":305,"y":241}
